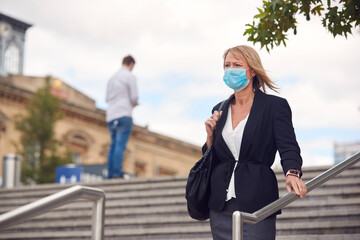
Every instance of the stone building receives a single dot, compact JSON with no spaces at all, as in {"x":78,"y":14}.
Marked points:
{"x":83,"y":130}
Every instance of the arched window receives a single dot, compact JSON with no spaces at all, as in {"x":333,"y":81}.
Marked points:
{"x":12,"y":59}
{"x":78,"y":142}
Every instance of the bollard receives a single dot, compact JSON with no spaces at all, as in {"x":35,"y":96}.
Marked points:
{"x":11,"y":170}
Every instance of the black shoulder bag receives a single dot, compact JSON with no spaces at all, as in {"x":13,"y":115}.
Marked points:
{"x":198,"y":183}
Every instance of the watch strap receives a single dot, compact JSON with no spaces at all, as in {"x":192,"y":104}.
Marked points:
{"x":293,"y":172}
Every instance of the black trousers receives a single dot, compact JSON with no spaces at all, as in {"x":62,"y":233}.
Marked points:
{"x":221,"y":225}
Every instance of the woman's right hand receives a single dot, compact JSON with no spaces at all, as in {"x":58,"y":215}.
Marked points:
{"x":210,"y":125}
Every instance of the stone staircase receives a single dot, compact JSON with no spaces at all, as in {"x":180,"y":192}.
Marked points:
{"x":155,"y":208}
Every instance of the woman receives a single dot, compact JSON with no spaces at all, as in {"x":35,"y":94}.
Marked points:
{"x":253,"y":126}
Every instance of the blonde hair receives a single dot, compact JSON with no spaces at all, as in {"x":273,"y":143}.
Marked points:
{"x":261,"y":79}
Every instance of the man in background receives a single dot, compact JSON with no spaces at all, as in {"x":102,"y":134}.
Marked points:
{"x":122,"y":97}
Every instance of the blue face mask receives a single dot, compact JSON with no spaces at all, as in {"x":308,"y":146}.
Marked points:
{"x":236,"y":79}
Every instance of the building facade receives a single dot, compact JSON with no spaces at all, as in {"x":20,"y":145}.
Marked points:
{"x":83,"y":131}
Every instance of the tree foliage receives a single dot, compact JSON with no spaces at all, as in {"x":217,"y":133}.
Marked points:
{"x":39,"y":148}
{"x":277,"y":17}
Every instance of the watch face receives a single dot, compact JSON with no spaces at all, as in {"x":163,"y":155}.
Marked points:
{"x":5,"y":29}
{"x":294,"y":172}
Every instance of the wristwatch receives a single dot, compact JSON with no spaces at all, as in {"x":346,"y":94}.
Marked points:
{"x":293,"y":172}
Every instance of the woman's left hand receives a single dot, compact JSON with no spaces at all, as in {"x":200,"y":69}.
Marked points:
{"x":296,"y":184}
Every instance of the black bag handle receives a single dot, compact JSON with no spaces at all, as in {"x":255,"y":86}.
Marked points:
{"x":219,"y":110}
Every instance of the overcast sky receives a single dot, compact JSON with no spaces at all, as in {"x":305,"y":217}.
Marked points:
{"x":178,"y":47}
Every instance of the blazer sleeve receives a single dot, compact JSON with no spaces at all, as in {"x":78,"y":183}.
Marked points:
{"x":285,"y":138}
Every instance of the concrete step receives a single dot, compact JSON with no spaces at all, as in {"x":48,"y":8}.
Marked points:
{"x":321,"y":228}
{"x":335,"y":187}
{"x":155,"y":208}
{"x":123,"y":186}
{"x":184,"y":220}
{"x":308,"y":175}
{"x":115,"y":233}
{"x":157,"y":182}
{"x":118,"y":185}
{"x":303,"y":204}
{"x":300,"y":207}
{"x":321,"y":237}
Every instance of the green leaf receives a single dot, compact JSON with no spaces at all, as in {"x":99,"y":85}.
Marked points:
{"x":274,"y":3}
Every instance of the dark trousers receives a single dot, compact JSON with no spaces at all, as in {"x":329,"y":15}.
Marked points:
{"x":221,"y":225}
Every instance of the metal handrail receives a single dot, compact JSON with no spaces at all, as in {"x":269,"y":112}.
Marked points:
{"x":251,"y":218}
{"x":59,"y":199}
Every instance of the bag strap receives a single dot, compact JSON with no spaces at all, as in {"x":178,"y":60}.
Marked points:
{"x":222,"y":105}
{"x":219,"y":109}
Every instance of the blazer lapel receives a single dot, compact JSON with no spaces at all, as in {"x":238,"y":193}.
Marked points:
{"x":251,"y":124}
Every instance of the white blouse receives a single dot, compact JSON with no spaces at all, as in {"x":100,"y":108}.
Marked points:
{"x":233,"y":138}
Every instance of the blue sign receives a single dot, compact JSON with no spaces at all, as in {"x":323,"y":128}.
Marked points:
{"x":68,"y":174}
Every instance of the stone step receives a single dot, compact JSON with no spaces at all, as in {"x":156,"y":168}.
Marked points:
{"x":180,"y":221}
{"x":325,"y":192}
{"x":308,"y":175}
{"x":117,"y":185}
{"x":336,"y":214}
{"x":148,"y":205}
{"x":123,"y":234}
{"x":155,"y":208}
{"x":124,"y":186}
{"x":333,"y":188}
{"x":82,"y":219}
{"x":25,"y":197}
{"x":321,"y":237}
{"x":321,"y":228}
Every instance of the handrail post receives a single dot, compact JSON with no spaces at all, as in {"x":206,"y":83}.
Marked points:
{"x":43,"y":205}
{"x":237,"y":233}
{"x":98,"y":220}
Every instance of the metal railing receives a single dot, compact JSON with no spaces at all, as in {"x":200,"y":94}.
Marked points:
{"x":239,"y":218}
{"x":59,"y":199}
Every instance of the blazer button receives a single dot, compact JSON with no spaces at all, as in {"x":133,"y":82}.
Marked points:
{"x":227,"y":190}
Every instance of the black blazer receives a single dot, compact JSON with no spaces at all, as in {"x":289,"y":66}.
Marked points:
{"x":268,"y":129}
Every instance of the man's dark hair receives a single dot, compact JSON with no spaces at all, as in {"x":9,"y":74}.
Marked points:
{"x":128,"y":60}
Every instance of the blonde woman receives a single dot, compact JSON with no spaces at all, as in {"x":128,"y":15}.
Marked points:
{"x":252,"y":127}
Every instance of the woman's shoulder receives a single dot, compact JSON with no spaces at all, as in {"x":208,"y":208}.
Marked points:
{"x":222,"y":104}
{"x":271,"y":98}
{"x":217,"y":106}
{"x":272,"y":102}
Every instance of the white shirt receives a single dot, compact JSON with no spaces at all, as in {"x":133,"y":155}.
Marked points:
{"x":121,"y":94}
{"x":233,"y":140}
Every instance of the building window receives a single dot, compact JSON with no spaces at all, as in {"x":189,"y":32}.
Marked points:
{"x":76,"y":158}
{"x":140,"y":169}
{"x":78,"y":142}
{"x":162,"y":171}
{"x":12,"y":59}
{"x":165,"y":172}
